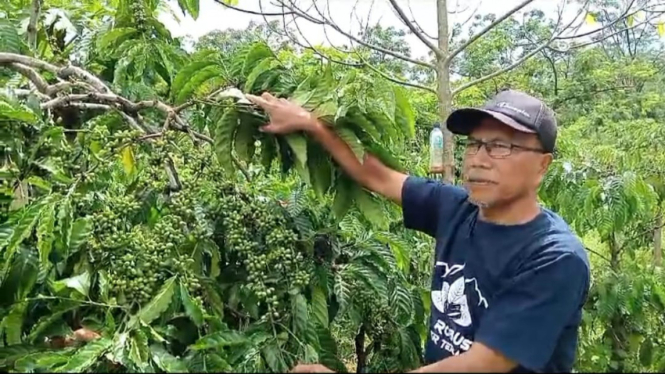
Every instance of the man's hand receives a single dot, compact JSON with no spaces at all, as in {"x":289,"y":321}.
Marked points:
{"x":311,"y":368}
{"x":285,"y":116}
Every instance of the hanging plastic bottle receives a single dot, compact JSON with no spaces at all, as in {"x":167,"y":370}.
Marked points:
{"x":436,"y":150}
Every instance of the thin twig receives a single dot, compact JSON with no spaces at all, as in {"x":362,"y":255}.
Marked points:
{"x":413,"y":29}
{"x":486,"y":29}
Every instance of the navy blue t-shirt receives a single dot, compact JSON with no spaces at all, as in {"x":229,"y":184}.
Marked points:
{"x":516,"y":289}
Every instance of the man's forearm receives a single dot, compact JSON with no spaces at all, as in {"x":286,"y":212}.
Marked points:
{"x":479,"y":359}
{"x":455,"y":364}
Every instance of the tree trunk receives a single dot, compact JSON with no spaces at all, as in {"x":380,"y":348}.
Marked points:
{"x":658,"y":240}
{"x":32,"y":24}
{"x":443,"y":92}
{"x":361,"y":354}
{"x":616,"y":332}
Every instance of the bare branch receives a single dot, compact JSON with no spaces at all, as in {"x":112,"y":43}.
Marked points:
{"x":486,"y":29}
{"x":261,"y":13}
{"x":32,"y":75}
{"x":646,"y":21}
{"x":414,"y":30}
{"x":415,"y":22}
{"x":398,"y":81}
{"x":6,"y":58}
{"x":621,"y":17}
{"x":105,"y":100}
{"x":22,"y":93}
{"x":294,"y":10}
{"x":546,"y":44}
{"x":501,"y":71}
{"x":72,"y":70}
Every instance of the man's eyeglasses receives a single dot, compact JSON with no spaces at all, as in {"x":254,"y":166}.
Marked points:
{"x":496,"y":149}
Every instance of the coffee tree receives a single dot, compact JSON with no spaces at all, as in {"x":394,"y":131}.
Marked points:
{"x":130,"y":210}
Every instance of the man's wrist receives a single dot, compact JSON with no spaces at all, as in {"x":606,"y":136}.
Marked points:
{"x":314,"y":127}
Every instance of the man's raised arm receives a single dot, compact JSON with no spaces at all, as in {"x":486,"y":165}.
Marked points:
{"x":287,"y":117}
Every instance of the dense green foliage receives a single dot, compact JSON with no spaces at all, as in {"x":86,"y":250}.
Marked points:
{"x":139,"y":200}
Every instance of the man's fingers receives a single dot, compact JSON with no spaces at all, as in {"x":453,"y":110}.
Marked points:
{"x":260,"y":101}
{"x":270,"y":128}
{"x":268,"y":97}
{"x":311,"y":368}
{"x":86,"y":335}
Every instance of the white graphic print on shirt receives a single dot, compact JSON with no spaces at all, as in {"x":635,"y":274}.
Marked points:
{"x":453,"y":304}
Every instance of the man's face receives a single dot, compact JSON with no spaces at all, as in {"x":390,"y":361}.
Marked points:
{"x":498,"y":181}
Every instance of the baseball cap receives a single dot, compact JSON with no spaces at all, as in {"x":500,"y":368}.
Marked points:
{"x":516,"y":109}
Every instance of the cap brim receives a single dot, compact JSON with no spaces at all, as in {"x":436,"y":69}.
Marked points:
{"x":463,"y":121}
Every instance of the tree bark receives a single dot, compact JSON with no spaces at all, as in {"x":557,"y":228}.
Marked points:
{"x":361,"y":354}
{"x":32,"y":24}
{"x":616,"y":332}
{"x":443,"y":91}
{"x":658,"y":240}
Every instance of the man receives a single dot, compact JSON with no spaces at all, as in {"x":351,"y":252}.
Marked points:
{"x":510,"y":278}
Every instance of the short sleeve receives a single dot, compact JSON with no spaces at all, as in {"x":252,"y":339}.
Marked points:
{"x":426,"y":203}
{"x":528,"y":315}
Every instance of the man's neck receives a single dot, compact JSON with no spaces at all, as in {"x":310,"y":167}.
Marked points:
{"x":514,"y":213}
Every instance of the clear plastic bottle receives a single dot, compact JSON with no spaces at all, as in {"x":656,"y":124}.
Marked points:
{"x":436,"y":150}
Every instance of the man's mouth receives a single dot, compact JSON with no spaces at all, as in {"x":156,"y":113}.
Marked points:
{"x":479,"y":181}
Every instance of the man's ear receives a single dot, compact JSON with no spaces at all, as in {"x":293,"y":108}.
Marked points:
{"x":545,"y":162}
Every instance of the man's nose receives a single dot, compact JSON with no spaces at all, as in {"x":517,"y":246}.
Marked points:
{"x":481,"y":159}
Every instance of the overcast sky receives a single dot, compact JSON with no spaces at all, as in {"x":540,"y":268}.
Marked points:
{"x":216,"y":17}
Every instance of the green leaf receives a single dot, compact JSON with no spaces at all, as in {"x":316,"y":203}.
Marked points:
{"x":13,"y":323}
{"x":299,"y":313}
{"x":86,"y":356}
{"x":405,"y":118}
{"x":342,"y":289}
{"x":646,"y":352}
{"x":10,"y":40}
{"x":244,"y":137}
{"x":298,"y":144}
{"x":371,"y":208}
{"x":320,"y":166}
{"x":191,"y":308}
{"x":258,"y":52}
{"x":320,"y":306}
{"x":104,"y":285}
{"x":352,"y":141}
{"x":344,"y":194}
{"x":22,"y":276}
{"x":160,"y":303}
{"x":22,"y":228}
{"x":328,"y":353}
{"x":115,"y":37}
{"x":273,"y":356}
{"x":81,"y":231}
{"x":401,"y":304}
{"x":18,"y":113}
{"x":224,"y":134}
{"x":190,"y":6}
{"x":220,"y":339}
{"x":311,"y":356}
{"x":261,"y":68}
{"x":167,"y":361}
{"x":212,"y":297}
{"x":128,"y":163}
{"x":358,"y":119}
{"x":197,"y":80}
{"x":80,"y":283}
{"x":139,"y":351}
{"x":38,"y":182}
{"x":192,"y":76}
